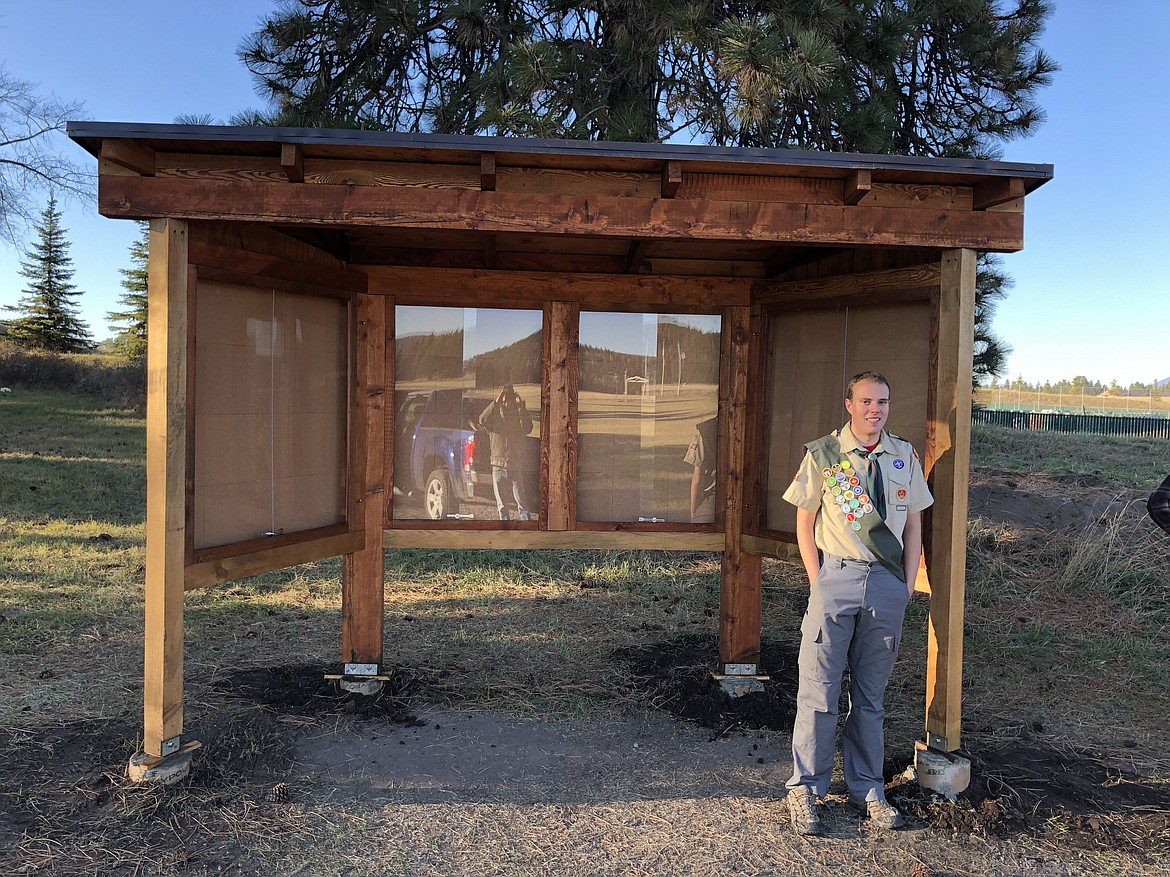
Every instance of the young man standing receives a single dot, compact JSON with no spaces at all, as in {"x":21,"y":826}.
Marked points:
{"x":859,"y":495}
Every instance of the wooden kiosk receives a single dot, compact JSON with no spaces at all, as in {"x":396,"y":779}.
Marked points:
{"x":331,"y":312}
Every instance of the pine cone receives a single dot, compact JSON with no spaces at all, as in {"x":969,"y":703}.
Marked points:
{"x":920,"y":870}
{"x":278,"y":794}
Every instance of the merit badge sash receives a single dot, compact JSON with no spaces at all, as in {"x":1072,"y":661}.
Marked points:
{"x":842,"y":483}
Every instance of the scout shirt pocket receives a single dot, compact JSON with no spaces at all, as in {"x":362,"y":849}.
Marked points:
{"x":897,"y":500}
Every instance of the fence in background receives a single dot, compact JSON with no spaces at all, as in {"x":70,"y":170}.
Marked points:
{"x":1092,"y":424}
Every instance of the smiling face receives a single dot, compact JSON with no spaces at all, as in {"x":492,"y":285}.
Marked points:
{"x":868,"y":409}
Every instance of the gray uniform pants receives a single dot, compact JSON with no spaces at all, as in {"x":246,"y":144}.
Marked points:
{"x":855,"y":612}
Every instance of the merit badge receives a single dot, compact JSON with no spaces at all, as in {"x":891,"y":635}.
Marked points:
{"x":899,"y":464}
{"x":827,"y":473}
{"x":901,"y":494}
{"x":867,"y":509}
{"x":856,"y":525}
{"x":864,"y":499}
{"x":846,"y":465}
{"x":855,"y":481}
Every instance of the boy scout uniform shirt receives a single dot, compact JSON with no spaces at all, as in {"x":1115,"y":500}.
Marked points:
{"x":905,"y":493}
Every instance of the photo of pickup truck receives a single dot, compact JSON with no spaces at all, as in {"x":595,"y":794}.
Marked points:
{"x":442,"y":465}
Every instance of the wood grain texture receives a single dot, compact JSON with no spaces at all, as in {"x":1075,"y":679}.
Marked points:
{"x":167,"y":367}
{"x":947,"y":463}
{"x":453,"y":286}
{"x":553,"y":539}
{"x":238,"y":566}
{"x":740,"y":582}
{"x":460,"y":209}
{"x":363,"y":573}
{"x":559,"y":415}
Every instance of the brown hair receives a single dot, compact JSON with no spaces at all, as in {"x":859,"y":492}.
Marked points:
{"x":876,"y":377}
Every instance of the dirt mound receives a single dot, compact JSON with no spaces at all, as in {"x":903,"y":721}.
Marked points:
{"x":303,"y":690}
{"x":675,"y":676}
{"x":1057,"y":793}
{"x":1064,"y":505}
{"x":1060,"y":794}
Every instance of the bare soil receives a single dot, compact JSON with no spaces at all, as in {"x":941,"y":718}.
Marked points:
{"x":297,"y":777}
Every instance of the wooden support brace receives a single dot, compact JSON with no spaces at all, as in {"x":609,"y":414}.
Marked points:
{"x":671,"y":178}
{"x":635,"y":255}
{"x":166,"y":491}
{"x":489,"y":252}
{"x":362,"y":584}
{"x":292,"y":162}
{"x":740,"y":588}
{"x":948,"y":457}
{"x":858,"y":185}
{"x":130,"y":155}
{"x":487,"y":172}
{"x":998,"y":191}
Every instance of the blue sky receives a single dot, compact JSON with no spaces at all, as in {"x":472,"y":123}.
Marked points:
{"x":1092,"y":293}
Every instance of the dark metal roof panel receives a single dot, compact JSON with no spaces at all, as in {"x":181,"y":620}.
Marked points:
{"x":89,"y":135}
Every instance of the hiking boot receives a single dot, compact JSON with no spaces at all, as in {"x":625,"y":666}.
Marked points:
{"x":804,"y":811}
{"x":883,"y":813}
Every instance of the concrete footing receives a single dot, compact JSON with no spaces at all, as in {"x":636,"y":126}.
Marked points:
{"x":165,"y":769}
{"x":357,"y":685}
{"x":738,"y":686}
{"x":943,"y":772}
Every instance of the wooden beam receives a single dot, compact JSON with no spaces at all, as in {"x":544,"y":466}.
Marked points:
{"x":470,"y":286}
{"x":857,"y":185}
{"x":740,"y":586}
{"x":558,"y":214}
{"x":487,"y":172}
{"x":765,"y":547}
{"x":947,"y":462}
{"x":363,"y":572}
{"x":1000,"y":190}
{"x":292,"y":162}
{"x":130,"y":155}
{"x":228,"y":569}
{"x":167,"y":365}
{"x":489,"y":252}
{"x":559,"y":414}
{"x":635,"y":255}
{"x":869,"y":282}
{"x":671,"y":178}
{"x":613,"y":540}
{"x":786,"y":258}
{"x":276,"y":268}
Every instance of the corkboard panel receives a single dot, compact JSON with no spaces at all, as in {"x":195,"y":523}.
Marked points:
{"x":813,"y":354}
{"x":270,"y":405}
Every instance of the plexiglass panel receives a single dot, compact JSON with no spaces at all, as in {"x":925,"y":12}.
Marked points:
{"x":467,"y":423}
{"x":649,"y":394}
{"x":270,"y":407}
{"x":813,"y":355}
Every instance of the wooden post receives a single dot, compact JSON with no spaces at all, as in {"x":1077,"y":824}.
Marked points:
{"x":559,"y":415}
{"x":948,"y":460}
{"x":739,"y":594}
{"x":166,"y":488}
{"x":362,"y":583}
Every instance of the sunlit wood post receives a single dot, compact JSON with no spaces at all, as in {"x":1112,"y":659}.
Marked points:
{"x":948,"y":459}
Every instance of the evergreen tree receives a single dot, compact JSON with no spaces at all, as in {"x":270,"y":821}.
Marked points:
{"x":910,"y":77}
{"x":919,"y":77}
{"x":49,"y":318}
{"x":131,"y":339}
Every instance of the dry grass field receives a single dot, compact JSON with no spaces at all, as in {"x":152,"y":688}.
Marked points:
{"x":550,"y":712}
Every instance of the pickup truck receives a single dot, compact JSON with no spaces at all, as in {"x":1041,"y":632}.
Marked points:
{"x":440,"y":453}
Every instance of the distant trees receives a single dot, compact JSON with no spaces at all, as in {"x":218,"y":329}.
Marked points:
{"x":130,"y":340}
{"x":30,"y":162}
{"x":49,"y":315}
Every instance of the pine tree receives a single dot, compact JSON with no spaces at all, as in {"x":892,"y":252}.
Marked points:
{"x":49,"y":318}
{"x":131,"y":339}
{"x":908,"y":77}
